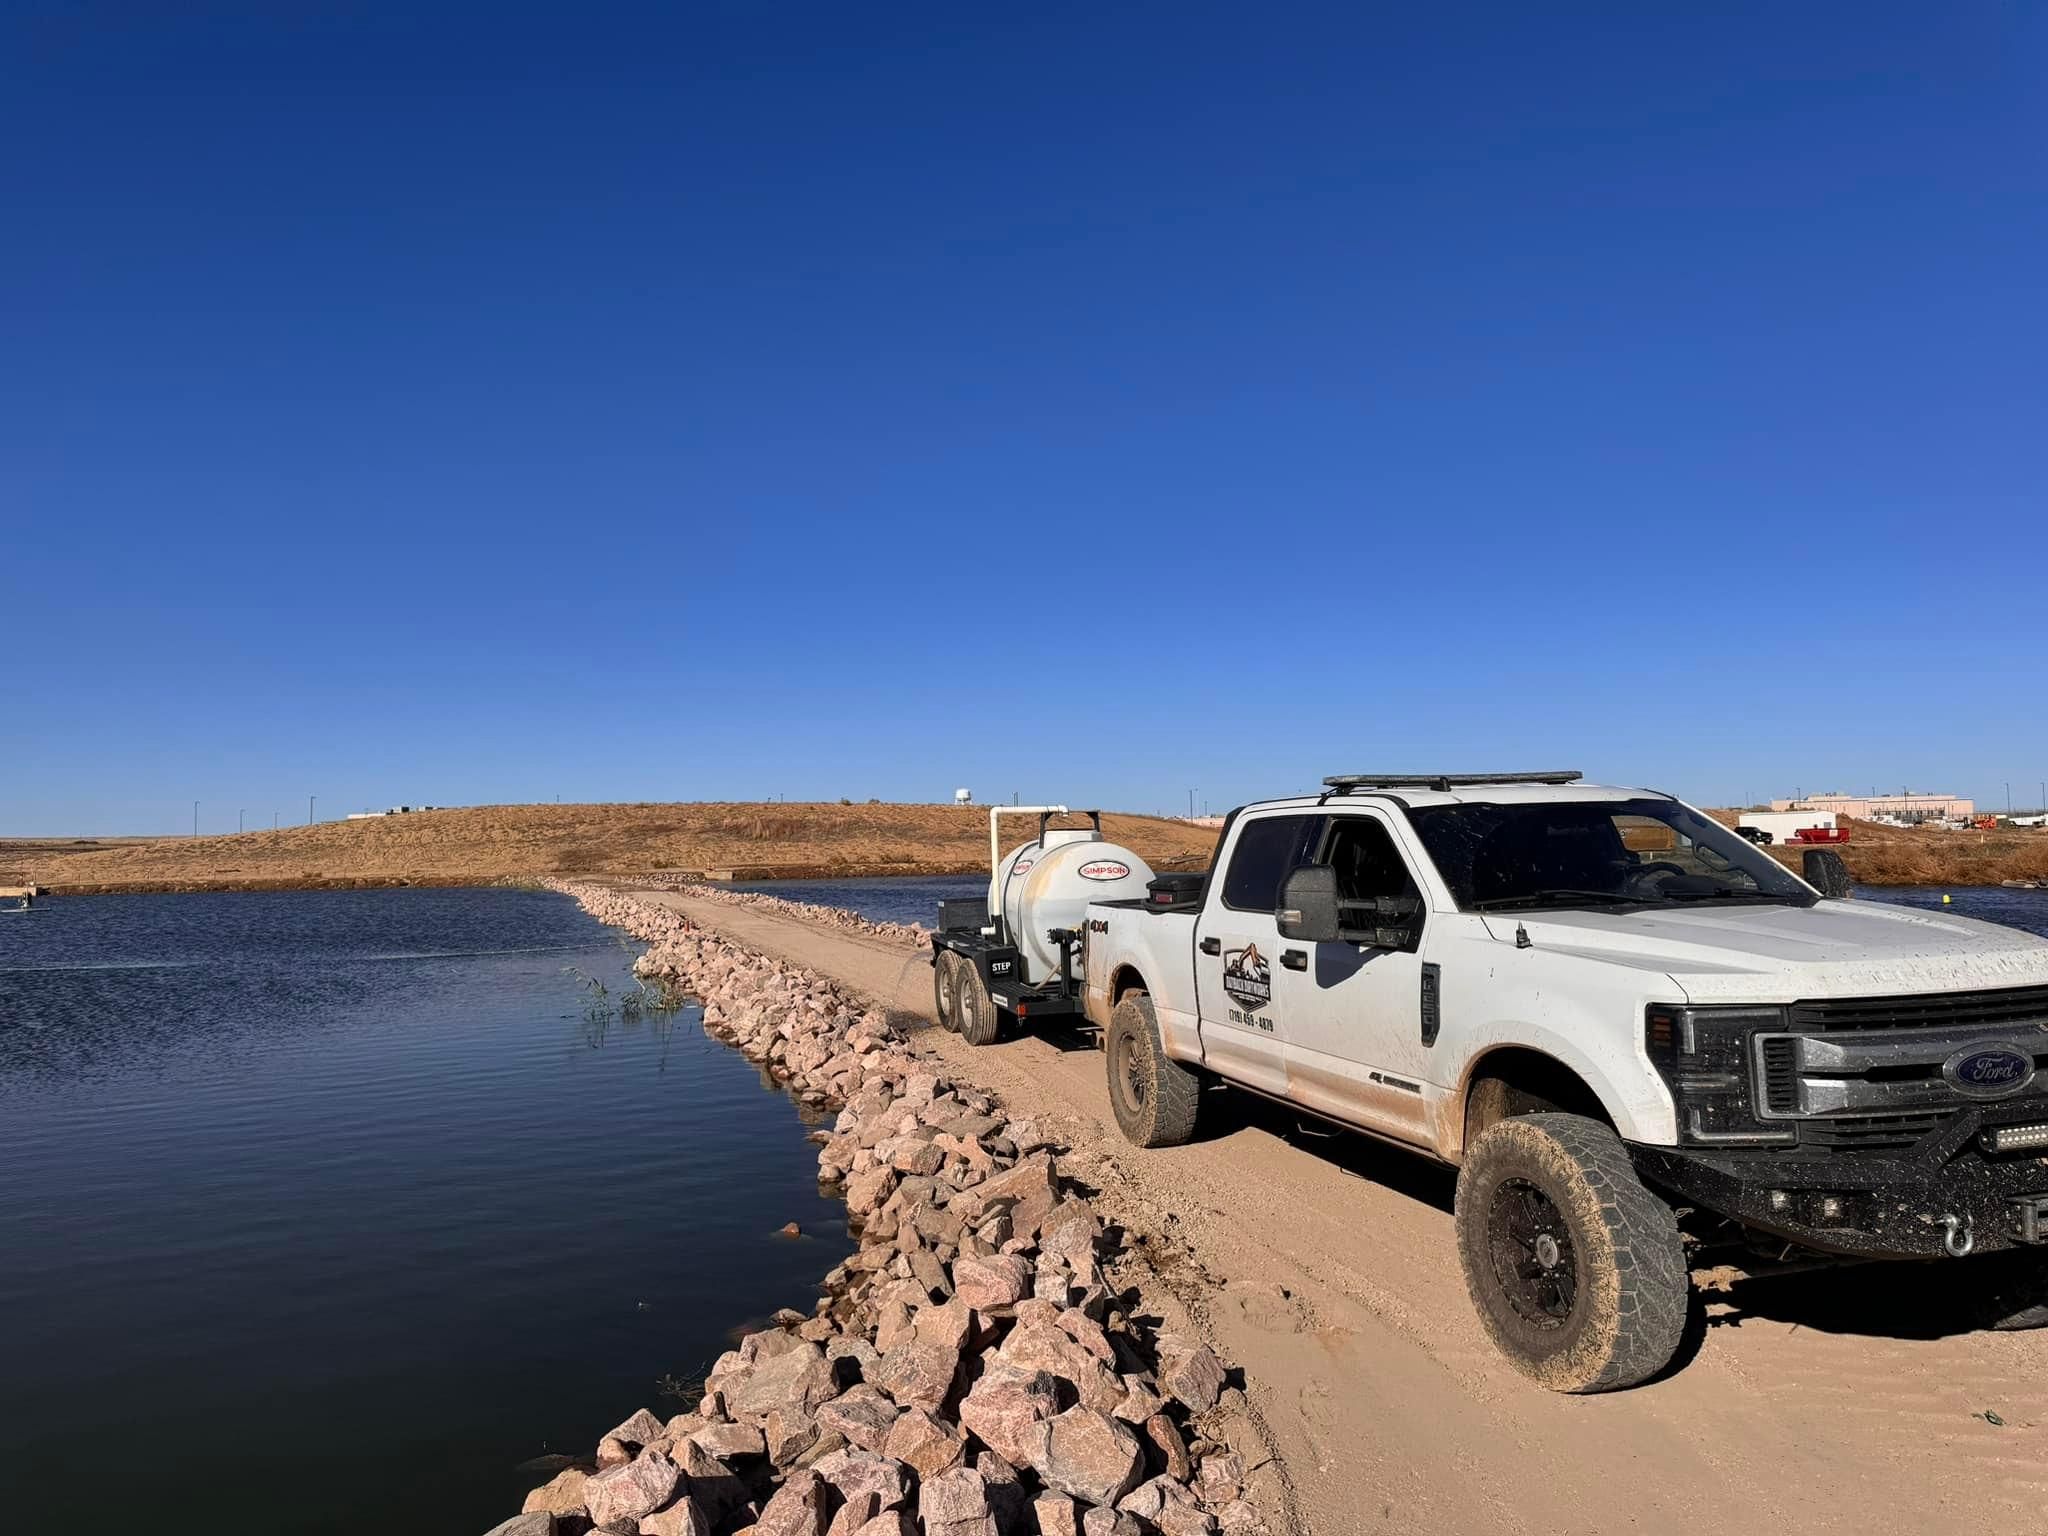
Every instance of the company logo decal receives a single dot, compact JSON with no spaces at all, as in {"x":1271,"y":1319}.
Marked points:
{"x":1104,"y":869}
{"x":1993,"y":1071}
{"x":1020,"y":866}
{"x":1246,"y":977}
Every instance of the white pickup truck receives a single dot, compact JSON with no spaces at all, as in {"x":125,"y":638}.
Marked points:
{"x":1635,"y":1035}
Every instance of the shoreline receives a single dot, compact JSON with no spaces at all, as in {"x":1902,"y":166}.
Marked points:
{"x":993,"y":1352}
{"x":1890,"y":878}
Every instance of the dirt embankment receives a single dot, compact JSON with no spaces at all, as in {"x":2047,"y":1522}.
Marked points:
{"x":1881,"y":855}
{"x":483,"y":844}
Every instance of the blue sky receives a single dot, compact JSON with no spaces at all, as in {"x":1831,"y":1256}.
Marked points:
{"x":468,"y":404}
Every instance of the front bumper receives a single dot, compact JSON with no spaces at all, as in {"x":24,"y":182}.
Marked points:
{"x":1946,"y":1196}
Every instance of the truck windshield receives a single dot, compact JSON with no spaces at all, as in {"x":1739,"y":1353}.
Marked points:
{"x":1596,"y":853}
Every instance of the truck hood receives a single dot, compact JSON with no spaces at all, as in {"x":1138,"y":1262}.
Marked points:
{"x":1778,"y":954}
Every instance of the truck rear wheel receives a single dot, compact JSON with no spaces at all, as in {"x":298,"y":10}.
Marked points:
{"x":1576,"y":1269}
{"x":1154,"y":1098}
{"x":946,"y":989}
{"x":976,"y":1010}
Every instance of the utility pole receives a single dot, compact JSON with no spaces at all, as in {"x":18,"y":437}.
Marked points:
{"x":1191,"y":805}
{"x":273,"y":821}
{"x":2008,"y":798}
{"x":309,"y":809}
{"x":238,"y":822}
{"x":195,"y":818}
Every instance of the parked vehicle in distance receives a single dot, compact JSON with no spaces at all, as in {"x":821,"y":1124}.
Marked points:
{"x":1790,"y":826}
{"x":1756,"y":835}
{"x":1642,"y":1043}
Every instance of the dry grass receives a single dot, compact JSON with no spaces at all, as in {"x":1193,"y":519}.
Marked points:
{"x":492,"y":843}
{"x":1880,"y":855}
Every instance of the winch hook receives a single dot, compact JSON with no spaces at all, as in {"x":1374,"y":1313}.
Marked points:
{"x":1960,"y":1236}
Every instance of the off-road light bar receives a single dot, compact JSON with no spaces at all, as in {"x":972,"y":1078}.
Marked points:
{"x":1445,"y":782}
{"x":2015,"y":1138}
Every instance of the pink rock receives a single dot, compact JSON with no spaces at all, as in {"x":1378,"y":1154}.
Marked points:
{"x":685,"y":1517}
{"x":798,"y":1508}
{"x":861,"y":1414}
{"x":561,"y":1496}
{"x":999,"y":1281}
{"x":917,"y":1374}
{"x":726,"y":1441}
{"x":1005,"y":1408}
{"x":1088,"y":1454}
{"x":855,"y":1473}
{"x":628,"y":1492}
{"x":925,"y":1443}
{"x":1041,"y":1346}
{"x":1190,"y":1373}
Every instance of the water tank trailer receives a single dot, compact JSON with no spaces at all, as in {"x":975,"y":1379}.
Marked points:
{"x":1010,"y":955}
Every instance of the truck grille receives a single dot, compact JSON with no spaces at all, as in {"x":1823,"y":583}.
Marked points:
{"x":1869,"y":1133}
{"x":1930,"y":1010}
{"x":1781,"y":1074}
{"x":1869,"y":1073}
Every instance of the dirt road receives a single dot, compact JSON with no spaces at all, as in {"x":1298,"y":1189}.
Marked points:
{"x":1325,"y":1267}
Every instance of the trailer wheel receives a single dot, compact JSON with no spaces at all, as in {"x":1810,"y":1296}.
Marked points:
{"x":1154,"y":1098}
{"x":946,"y":989}
{"x":1576,"y":1269}
{"x":976,"y":1009}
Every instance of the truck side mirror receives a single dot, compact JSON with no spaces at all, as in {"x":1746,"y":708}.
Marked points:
{"x":1826,"y":872}
{"x":1308,"y":905}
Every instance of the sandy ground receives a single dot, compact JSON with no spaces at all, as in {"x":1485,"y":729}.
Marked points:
{"x":1325,"y":1267}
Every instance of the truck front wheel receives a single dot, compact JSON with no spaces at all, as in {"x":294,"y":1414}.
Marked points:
{"x":1154,"y":1097}
{"x":1575,"y":1267}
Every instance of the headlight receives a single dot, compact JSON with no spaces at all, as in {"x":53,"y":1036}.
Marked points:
{"x":1703,"y":1055}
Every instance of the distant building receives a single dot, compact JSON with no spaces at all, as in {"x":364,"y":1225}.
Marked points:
{"x":1886,"y":807}
{"x":396,"y":810}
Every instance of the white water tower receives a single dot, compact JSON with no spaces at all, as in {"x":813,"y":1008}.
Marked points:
{"x":963,"y":797}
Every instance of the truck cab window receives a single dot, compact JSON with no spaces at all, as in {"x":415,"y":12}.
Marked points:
{"x":1268,"y":851}
{"x":1368,"y":864}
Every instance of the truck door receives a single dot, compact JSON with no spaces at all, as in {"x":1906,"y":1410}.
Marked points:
{"x":1353,"y":1012}
{"x":1237,"y":942}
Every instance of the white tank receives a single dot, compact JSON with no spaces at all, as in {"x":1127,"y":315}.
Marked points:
{"x":1046,"y":885}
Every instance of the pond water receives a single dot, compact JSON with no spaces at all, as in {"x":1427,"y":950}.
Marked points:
{"x":323,"y":1211}
{"x":888,"y":898}
{"x":1992,"y":903}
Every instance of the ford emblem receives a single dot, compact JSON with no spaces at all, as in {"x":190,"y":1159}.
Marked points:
{"x":1989,"y":1070}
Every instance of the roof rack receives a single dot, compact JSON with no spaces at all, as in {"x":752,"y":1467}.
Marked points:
{"x":1346,"y":783}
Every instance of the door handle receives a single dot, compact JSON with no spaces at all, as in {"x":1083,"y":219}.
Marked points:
{"x":1212,"y":946}
{"x":1294,"y":959}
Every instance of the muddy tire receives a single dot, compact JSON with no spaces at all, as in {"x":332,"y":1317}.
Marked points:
{"x":946,"y":989}
{"x":1154,"y":1098}
{"x":976,"y":1009}
{"x":1575,"y":1268}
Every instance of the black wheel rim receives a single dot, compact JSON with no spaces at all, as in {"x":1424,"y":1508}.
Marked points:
{"x":1533,"y":1257}
{"x":1130,"y":1079}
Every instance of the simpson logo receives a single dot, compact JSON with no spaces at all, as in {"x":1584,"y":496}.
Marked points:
{"x":1104,"y":869}
{"x":1246,"y":977}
